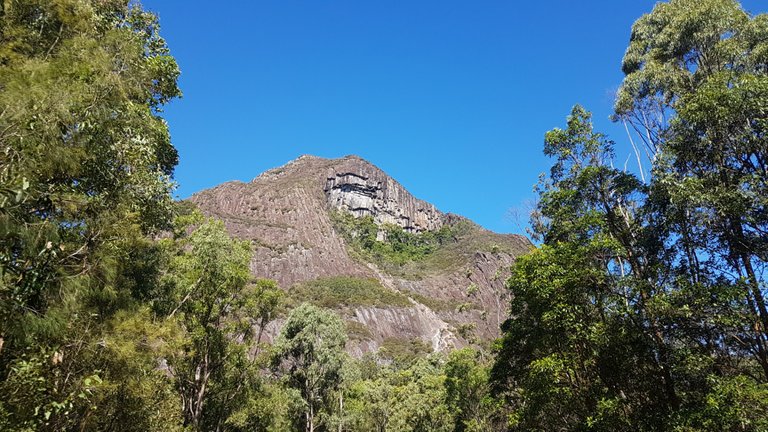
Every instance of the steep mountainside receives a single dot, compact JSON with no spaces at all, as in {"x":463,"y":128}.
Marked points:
{"x":343,"y":234}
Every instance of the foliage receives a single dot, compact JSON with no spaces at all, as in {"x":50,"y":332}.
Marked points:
{"x":467,"y":393}
{"x":357,"y":331}
{"x":411,"y":399}
{"x":309,"y":353}
{"x":403,"y":352}
{"x":85,"y":174}
{"x":643,"y":308}
{"x":274,"y":409}
{"x":135,"y":395}
{"x":436,"y":304}
{"x":86,"y":158}
{"x":347,"y":291}
{"x":390,"y":244}
{"x":207,"y":282}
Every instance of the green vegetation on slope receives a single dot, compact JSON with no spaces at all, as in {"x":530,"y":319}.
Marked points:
{"x":402,"y":351}
{"x":397,"y":245}
{"x":347,"y":291}
{"x":415,"y":255}
{"x":405,"y":254}
{"x":437,"y":304}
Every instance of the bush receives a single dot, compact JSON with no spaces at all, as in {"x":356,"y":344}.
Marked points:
{"x":341,"y":291}
{"x":397,"y":247}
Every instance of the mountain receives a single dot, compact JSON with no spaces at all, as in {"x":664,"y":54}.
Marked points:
{"x":343,"y":234}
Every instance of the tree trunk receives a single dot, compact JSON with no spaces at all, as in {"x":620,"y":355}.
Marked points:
{"x":311,"y":418}
{"x":737,"y":246}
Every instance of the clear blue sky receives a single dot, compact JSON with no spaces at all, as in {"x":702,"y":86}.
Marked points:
{"x":451,"y":98}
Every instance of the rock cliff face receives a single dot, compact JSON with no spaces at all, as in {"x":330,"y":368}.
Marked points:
{"x":360,"y":188}
{"x":454,"y":296}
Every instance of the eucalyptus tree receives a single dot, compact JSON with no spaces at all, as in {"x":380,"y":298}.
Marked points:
{"x":583,"y":333}
{"x":467,"y":393}
{"x":309,"y":353}
{"x":703,"y":65}
{"x":207,"y":293}
{"x":644,"y":307}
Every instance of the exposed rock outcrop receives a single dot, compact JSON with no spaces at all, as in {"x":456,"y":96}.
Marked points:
{"x":286,"y":214}
{"x":360,"y":188}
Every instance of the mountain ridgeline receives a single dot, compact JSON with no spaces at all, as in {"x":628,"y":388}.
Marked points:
{"x":342,"y":234}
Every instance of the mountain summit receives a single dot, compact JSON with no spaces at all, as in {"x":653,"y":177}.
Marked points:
{"x":343,"y":234}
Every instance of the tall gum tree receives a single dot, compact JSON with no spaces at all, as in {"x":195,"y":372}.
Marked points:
{"x":701,"y":66}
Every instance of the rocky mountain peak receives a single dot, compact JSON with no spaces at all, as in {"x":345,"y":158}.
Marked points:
{"x":354,"y":185}
{"x":447,"y":296}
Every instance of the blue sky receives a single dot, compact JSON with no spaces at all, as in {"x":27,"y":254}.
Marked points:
{"x":451,"y":98}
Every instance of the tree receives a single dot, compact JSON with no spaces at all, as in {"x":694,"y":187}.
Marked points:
{"x":134,"y":393}
{"x":310,"y":353}
{"x":467,"y":391}
{"x":703,"y":65}
{"x":419,"y":398}
{"x":371,"y":404}
{"x":401,"y":399}
{"x":274,"y":409}
{"x":86,"y":157}
{"x":85,"y":174}
{"x":644,"y":304}
{"x":222,"y":317}
{"x":586,"y":343}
